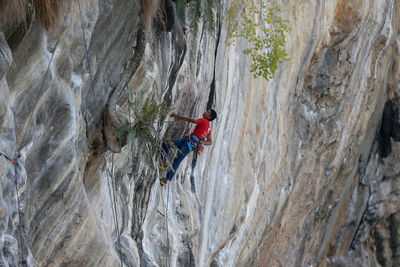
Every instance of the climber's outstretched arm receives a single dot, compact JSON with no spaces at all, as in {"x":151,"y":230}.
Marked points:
{"x":183,"y":118}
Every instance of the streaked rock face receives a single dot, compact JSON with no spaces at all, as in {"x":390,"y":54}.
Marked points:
{"x":295,"y":176}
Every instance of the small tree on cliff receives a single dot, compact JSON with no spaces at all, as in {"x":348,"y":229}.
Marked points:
{"x":146,"y":118}
{"x":264,"y":29}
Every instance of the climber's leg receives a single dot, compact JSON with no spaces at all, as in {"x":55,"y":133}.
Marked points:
{"x":183,"y":151}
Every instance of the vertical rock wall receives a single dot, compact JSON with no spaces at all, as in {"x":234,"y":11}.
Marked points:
{"x":295,"y":175}
{"x":309,"y":186}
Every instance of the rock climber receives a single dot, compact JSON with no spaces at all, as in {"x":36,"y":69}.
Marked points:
{"x":201,"y":135}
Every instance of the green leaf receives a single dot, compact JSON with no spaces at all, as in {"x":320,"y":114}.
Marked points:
{"x":266,"y":36}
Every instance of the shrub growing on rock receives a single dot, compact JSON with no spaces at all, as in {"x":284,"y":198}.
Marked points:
{"x":145,"y":121}
{"x":264,"y":29}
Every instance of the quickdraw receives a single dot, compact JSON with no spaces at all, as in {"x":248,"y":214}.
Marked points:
{"x":8,"y":158}
{"x":195,"y":144}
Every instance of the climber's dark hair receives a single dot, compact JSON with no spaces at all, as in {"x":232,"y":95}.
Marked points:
{"x":213,"y":114}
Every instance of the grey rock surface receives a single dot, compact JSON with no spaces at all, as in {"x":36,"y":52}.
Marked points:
{"x":295,"y":175}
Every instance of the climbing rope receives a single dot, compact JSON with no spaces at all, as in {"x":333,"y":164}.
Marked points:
{"x":22,"y":248}
{"x":166,"y":209}
{"x":115,"y":208}
{"x":185,"y":132}
{"x":110,"y":174}
{"x":19,"y":239}
{"x":189,"y":95}
{"x":111,"y":181}
{"x":25,"y":129}
{"x":166,"y":217}
{"x":258,"y":249}
{"x":86,"y":53}
{"x":20,"y":226}
{"x":113,"y":205}
{"x":20,"y":141}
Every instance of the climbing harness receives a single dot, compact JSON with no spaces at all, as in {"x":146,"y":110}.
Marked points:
{"x":194,"y":142}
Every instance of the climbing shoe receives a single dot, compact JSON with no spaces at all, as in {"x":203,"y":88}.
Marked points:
{"x":163,"y":181}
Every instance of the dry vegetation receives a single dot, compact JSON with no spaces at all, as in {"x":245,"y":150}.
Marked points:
{"x":149,"y":9}
{"x":48,"y":11}
{"x":13,"y":13}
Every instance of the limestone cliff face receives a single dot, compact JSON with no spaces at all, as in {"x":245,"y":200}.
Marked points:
{"x":303,"y":170}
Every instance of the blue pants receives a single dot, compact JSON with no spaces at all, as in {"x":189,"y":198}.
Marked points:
{"x":183,"y":146}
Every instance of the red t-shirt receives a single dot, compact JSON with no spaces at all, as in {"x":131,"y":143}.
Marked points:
{"x":202,"y":128}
